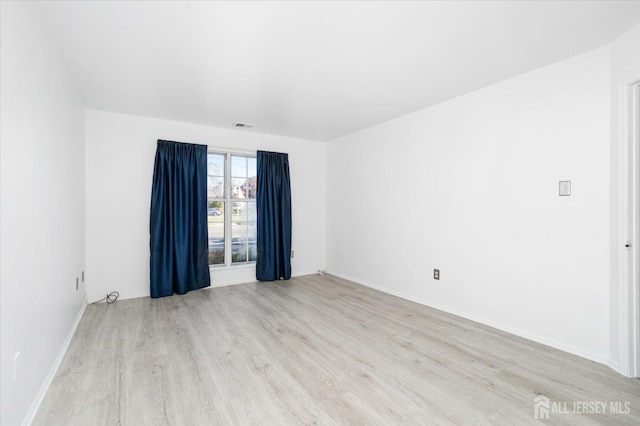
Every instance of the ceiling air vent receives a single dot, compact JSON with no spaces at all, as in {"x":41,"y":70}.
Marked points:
{"x":245,"y":125}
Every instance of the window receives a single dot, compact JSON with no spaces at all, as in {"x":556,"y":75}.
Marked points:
{"x":231,"y":209}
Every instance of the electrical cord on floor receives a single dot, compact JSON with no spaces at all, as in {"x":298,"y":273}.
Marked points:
{"x":111,"y":298}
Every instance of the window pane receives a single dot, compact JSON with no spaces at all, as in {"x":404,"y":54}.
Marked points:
{"x":251,"y":185}
{"x":252,"y":214}
{"x":239,"y":188}
{"x":215,"y":187}
{"x":215,"y":218}
{"x":239,"y":242}
{"x":215,"y":164}
{"x":239,"y":211}
{"x":215,"y":208}
{"x":251,"y":167}
{"x":238,"y":166}
{"x":252,"y":231}
{"x":253,"y":251}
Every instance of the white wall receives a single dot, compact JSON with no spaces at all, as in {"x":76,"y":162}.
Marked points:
{"x":625,"y":70}
{"x":42,"y":208}
{"x":120,"y":156}
{"x":470,"y":186}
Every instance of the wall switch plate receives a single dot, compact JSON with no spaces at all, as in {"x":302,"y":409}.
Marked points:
{"x":436,"y":274}
{"x":564,"y":188}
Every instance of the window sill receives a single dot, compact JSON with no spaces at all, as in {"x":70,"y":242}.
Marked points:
{"x":234,"y":274}
{"x":216,"y":268}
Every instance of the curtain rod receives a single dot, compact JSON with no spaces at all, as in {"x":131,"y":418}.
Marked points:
{"x":231,"y":150}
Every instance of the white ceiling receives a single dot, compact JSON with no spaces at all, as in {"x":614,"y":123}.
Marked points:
{"x":314,"y":70}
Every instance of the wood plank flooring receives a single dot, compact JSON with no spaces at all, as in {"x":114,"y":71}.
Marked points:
{"x":312,"y":350}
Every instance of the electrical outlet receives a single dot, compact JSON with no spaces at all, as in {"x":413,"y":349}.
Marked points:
{"x":17,"y":359}
{"x":436,"y":274}
{"x":77,"y":279}
{"x":292,"y":254}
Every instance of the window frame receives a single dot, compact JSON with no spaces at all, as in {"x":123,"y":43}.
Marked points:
{"x":228,"y":201}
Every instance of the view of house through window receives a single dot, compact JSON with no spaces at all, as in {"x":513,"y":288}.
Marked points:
{"x":231,"y":208}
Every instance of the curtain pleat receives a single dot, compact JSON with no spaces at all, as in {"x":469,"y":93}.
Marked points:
{"x":273,"y":200}
{"x":178,"y":225}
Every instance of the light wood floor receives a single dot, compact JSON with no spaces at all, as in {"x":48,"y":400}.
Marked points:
{"x":313,"y":350}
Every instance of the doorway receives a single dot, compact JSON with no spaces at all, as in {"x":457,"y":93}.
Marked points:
{"x":634,"y":226}
{"x":630,"y":297}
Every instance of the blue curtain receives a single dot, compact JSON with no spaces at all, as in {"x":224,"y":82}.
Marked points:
{"x":178,"y":228}
{"x":273,"y":199}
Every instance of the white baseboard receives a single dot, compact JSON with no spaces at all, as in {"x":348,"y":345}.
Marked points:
{"x":35,"y":405}
{"x":222,"y":278}
{"x":515,"y":331}
{"x":614,"y":365}
{"x":244,"y":277}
